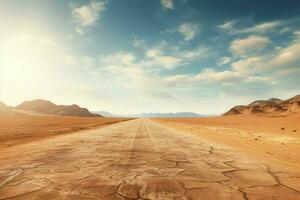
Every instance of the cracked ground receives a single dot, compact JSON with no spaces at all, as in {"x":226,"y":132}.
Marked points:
{"x":139,"y":159}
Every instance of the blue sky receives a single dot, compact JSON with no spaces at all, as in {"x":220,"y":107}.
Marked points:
{"x":132,"y":56}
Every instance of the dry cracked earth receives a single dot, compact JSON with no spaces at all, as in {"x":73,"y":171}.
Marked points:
{"x":138,"y":159}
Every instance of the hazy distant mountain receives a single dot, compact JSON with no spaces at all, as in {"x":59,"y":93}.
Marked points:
{"x":152,"y":115}
{"x":108,"y":114}
{"x":271,"y":106}
{"x":104,"y":113}
{"x":3,"y":106}
{"x":47,"y":107}
{"x":6,"y":110}
{"x":169,"y":115}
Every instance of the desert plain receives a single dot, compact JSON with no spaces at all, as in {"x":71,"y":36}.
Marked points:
{"x":268,"y":137}
{"x":18,"y":129}
{"x":230,"y":157}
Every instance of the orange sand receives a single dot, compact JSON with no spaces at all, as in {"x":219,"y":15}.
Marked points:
{"x":24,"y":128}
{"x":276,"y":139}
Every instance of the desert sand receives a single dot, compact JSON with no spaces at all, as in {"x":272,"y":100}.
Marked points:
{"x":139,"y":159}
{"x":270,"y":138}
{"x":19,"y":129}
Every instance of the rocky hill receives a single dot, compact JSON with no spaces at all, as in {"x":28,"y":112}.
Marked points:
{"x":6,"y":110}
{"x":47,"y":107}
{"x":271,"y":106}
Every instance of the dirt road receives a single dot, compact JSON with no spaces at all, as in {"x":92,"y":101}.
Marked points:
{"x":138,"y":159}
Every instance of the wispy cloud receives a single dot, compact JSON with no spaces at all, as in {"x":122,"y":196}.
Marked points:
{"x":264,"y":68}
{"x":188,"y":30}
{"x":251,"y":44}
{"x":283,"y":59}
{"x":137,"y":42}
{"x":227,"y":25}
{"x":212,"y":77}
{"x":262,"y":28}
{"x":287,"y":57}
{"x":168,"y":4}
{"x":87,"y":15}
{"x":143,"y":72}
{"x":232,"y":27}
{"x":155,"y":58}
{"x":297,"y":34}
{"x":162,"y":56}
{"x":224,"y":60}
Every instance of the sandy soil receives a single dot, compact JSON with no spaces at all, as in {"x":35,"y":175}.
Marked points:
{"x":24,"y":128}
{"x":275,"y":139}
{"x":139,"y":159}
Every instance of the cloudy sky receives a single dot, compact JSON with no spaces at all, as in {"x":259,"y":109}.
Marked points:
{"x":132,"y":56}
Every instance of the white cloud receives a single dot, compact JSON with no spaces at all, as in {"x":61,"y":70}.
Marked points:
{"x":255,"y":79}
{"x":247,"y":65}
{"x":188,"y":30}
{"x":177,"y":79}
{"x":249,"y":45}
{"x":172,"y":57}
{"x":87,"y":15}
{"x":136,"y":42}
{"x":224,"y":61}
{"x":168,"y":4}
{"x":133,"y":75}
{"x":168,"y":62}
{"x":119,"y":58}
{"x":287,"y":57}
{"x":262,"y":28}
{"x":265,"y":68}
{"x":297,"y":35}
{"x":152,"y":53}
{"x":284,"y":30}
{"x":156,"y":58}
{"x":194,"y":54}
{"x":138,"y":74}
{"x":230,"y":27}
{"x":211,"y":76}
{"x":160,"y":57}
{"x":142,"y":74}
{"x":227,"y":25}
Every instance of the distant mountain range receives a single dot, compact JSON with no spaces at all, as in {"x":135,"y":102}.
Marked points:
{"x":169,"y":115}
{"x":271,"y":106}
{"x":153,"y":115}
{"x":39,"y":106}
{"x":105,"y":113}
{"x":47,"y":107}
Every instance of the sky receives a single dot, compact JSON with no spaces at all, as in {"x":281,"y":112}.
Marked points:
{"x":134,"y":56}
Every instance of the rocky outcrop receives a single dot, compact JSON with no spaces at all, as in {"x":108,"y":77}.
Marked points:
{"x":47,"y":107}
{"x":271,"y":106}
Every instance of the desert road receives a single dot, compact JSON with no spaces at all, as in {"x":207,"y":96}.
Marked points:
{"x":138,"y":159}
